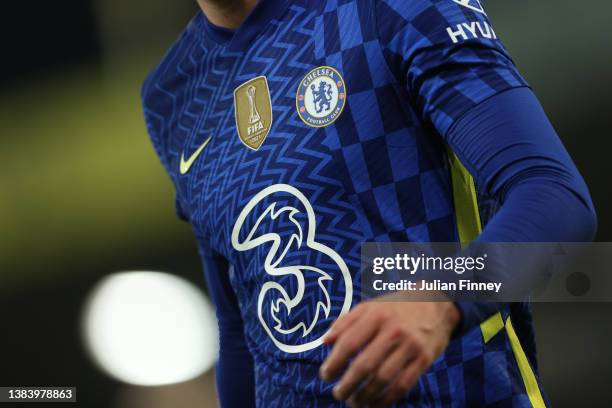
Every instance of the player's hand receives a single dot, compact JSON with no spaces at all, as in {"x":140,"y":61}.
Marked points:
{"x":393,"y":344}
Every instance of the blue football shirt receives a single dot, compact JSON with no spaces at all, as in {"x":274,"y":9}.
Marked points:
{"x":314,"y":127}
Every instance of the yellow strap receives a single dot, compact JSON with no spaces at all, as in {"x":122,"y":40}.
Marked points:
{"x":466,"y":204}
{"x":469,"y":227}
{"x":531,"y":384}
{"x":491,"y":326}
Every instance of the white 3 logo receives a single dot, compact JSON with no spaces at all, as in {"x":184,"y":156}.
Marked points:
{"x":472,"y":4}
{"x":273,"y":265}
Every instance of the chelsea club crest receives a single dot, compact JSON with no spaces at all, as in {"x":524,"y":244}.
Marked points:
{"x":320,"y":97}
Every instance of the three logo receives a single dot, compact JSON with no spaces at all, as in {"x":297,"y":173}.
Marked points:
{"x":295,"y":298}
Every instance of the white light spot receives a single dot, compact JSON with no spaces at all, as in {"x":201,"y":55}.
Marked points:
{"x":150,"y":328}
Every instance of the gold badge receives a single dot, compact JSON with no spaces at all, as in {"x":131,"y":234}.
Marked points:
{"x":253,"y":110}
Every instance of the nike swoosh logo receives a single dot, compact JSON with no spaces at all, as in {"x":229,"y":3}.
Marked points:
{"x":185,"y":165}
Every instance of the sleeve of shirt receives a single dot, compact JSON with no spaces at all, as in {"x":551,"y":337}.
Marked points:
{"x":446,"y":54}
{"x":235,"y":365}
{"x":514,"y":154}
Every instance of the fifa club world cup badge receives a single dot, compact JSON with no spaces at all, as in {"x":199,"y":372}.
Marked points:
{"x":253,"y":111}
{"x":320,"y":97}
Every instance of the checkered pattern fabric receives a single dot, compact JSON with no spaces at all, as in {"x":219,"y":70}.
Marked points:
{"x":378,"y":173}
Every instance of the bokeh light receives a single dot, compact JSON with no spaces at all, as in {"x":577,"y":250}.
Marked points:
{"x":150,"y":328}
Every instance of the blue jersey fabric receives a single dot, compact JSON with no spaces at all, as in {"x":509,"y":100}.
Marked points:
{"x":280,"y":225}
{"x":517,"y":159}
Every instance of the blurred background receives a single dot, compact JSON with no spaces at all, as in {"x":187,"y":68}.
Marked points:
{"x":82,"y":196}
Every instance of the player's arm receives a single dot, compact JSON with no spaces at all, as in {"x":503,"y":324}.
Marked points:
{"x":513,"y":152}
{"x":470,"y":91}
{"x":235,"y":366}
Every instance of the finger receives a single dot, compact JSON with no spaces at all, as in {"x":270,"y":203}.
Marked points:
{"x":341,"y":324}
{"x":349,"y":342}
{"x":402,"y":384}
{"x":365,"y":365}
{"x":384,"y":375}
